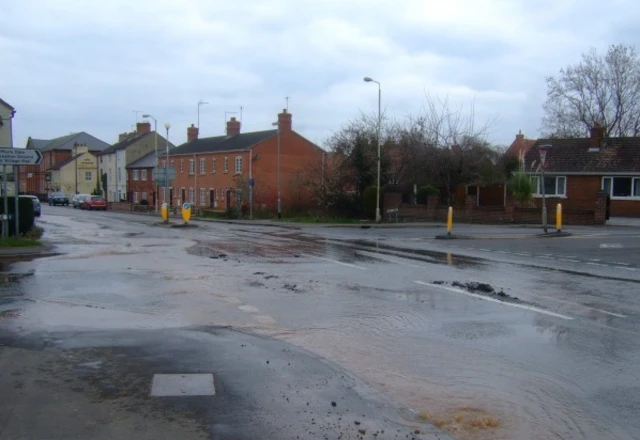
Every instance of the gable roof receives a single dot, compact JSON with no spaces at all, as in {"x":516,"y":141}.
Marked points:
{"x":62,"y":163}
{"x":148,"y":161}
{"x":239,"y":142}
{"x":66,"y":142}
{"x":617,"y":155}
{"x":6,"y":104}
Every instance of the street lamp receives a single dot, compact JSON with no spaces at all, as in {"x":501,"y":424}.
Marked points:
{"x":543,"y":149}
{"x":155,"y":129}
{"x":368,"y":79}
{"x":200,"y":104}
{"x":277,"y":124}
{"x":166,"y":180}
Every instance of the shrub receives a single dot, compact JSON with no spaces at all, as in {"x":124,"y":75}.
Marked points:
{"x":369,"y":201}
{"x":144,"y":202}
{"x":521,"y":187}
{"x":34,"y":233}
{"x":25,"y":212}
{"x":424,"y":192}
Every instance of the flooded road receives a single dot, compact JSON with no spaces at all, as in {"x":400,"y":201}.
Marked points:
{"x":550,"y":354}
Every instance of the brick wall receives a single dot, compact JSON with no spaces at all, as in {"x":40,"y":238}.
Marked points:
{"x":625,"y":208}
{"x":141,"y":186}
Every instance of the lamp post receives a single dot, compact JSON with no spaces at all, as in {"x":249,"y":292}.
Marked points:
{"x":200,"y":104}
{"x":543,"y":149}
{"x":155,"y":140}
{"x":368,"y":79}
{"x":166,"y":160}
{"x":277,"y":124}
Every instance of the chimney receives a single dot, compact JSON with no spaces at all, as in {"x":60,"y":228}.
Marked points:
{"x":192,"y":133}
{"x":143,"y":127}
{"x":284,"y":120}
{"x":519,"y":136}
{"x":597,"y":136}
{"x":123,"y":136}
{"x":233,"y":127}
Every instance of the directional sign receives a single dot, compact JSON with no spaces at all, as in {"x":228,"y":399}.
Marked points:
{"x":160,"y":173}
{"x":19,"y":156}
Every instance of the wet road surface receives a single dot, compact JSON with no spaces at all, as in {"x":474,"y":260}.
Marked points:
{"x":552,"y":352}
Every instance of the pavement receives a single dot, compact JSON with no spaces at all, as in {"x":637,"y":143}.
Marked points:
{"x":500,"y":337}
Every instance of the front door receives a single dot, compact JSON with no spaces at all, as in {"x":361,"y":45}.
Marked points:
{"x":212,"y":198}
{"x":184,"y":196}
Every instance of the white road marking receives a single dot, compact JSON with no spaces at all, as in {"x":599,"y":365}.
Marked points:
{"x":486,"y":298}
{"x":622,"y":264}
{"x":628,"y":268}
{"x":503,"y":252}
{"x":522,"y":254}
{"x":339,"y":262}
{"x":546,"y":257}
{"x":570,"y":260}
{"x":596,"y":264}
{"x":586,"y":307}
{"x":486,"y":250}
{"x":611,"y":246}
{"x":595,"y":259}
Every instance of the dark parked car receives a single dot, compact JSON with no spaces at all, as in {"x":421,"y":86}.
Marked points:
{"x":37,"y":209}
{"x":95,"y":202}
{"x":58,"y":199}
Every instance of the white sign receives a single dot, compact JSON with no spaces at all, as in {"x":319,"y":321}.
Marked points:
{"x":19,"y":156}
{"x":543,"y":157}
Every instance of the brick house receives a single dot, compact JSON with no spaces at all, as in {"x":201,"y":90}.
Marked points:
{"x":214,"y":172}
{"x":36,"y":179}
{"x":140,"y":180}
{"x":578,"y":170}
{"x":519,"y":147}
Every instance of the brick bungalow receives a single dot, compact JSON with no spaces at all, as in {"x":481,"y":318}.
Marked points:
{"x":214,"y":172}
{"x":578,"y":170}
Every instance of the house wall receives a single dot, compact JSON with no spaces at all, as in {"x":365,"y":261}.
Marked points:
{"x":141,"y":186}
{"x":107,"y":164}
{"x":6,"y":135}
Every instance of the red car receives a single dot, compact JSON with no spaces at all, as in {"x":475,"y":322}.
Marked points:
{"x":95,"y":202}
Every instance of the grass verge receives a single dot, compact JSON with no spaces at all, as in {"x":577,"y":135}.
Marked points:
{"x":19,"y":242}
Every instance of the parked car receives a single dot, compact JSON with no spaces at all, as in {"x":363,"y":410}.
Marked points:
{"x":77,"y":200}
{"x":58,"y":198}
{"x":37,"y":208}
{"x":94,"y":202}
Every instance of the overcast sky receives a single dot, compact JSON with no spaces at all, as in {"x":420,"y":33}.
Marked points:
{"x":73,"y":65}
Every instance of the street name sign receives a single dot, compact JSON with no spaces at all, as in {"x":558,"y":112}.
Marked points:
{"x":19,"y":156}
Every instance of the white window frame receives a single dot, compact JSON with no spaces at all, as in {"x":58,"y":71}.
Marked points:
{"x":213,"y":165}
{"x":238,"y":164}
{"x":135,"y":197}
{"x":203,"y":165}
{"x":635,"y":184}
{"x":226,"y":164}
{"x":203,"y":196}
{"x":136,"y":174}
{"x":217,"y":194}
{"x":192,"y":196}
{"x":88,"y":177}
{"x":143,"y":196}
{"x":143,"y":175}
{"x":181,"y":166}
{"x":192,"y":166}
{"x":536,"y":183}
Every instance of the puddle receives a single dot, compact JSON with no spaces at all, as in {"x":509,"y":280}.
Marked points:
{"x":12,"y":313}
{"x":464,"y":423}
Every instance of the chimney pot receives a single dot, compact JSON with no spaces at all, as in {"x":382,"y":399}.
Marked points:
{"x":192,"y":133}
{"x":143,"y":127}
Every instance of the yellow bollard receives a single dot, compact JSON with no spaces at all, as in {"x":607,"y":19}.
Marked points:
{"x":559,"y":217}
{"x":186,"y":212}
{"x":450,"y":220}
{"x":164,"y":211}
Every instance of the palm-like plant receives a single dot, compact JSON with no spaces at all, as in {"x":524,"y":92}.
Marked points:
{"x":521,"y":187}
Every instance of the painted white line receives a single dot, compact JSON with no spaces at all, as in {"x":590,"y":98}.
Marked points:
{"x":622,"y":264}
{"x":546,"y":257}
{"x":595,"y":259}
{"x":586,"y":307}
{"x":504,"y":303}
{"x":522,"y":254}
{"x":611,"y":246}
{"x":486,"y":250}
{"x":570,"y":260}
{"x":503,"y":252}
{"x":596,"y":264}
{"x":340,"y":262}
{"x":628,"y":268}
{"x":390,"y":260}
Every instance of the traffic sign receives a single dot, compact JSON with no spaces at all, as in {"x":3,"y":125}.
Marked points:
{"x":161,"y":173}
{"x":19,"y":156}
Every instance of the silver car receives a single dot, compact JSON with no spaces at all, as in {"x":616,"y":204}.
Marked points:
{"x":77,"y":200}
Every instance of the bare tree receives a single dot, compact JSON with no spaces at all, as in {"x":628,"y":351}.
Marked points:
{"x":599,"y":89}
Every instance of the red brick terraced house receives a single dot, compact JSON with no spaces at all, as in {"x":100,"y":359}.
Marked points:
{"x":214,"y":172}
{"x":140,"y":180}
{"x":578,"y":171}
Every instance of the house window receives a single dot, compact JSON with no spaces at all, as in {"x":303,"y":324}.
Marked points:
{"x":226,"y":164}
{"x":173,"y":164}
{"x":143,"y":175}
{"x":217,"y":192}
{"x":621,"y":186}
{"x":213,"y":165}
{"x":182,"y":165}
{"x":136,"y":174}
{"x":192,"y":196}
{"x":144,"y":196}
{"x":119,"y":175}
{"x":87,"y":176}
{"x":554,"y":186}
{"x":135,"y":197}
{"x":192,"y":166}
{"x":203,"y":197}
{"x":238,"y":164}
{"x":203,"y":166}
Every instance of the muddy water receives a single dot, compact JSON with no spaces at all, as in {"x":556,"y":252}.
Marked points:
{"x":479,"y":370}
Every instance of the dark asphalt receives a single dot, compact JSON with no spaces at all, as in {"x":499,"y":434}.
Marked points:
{"x":554,"y":353}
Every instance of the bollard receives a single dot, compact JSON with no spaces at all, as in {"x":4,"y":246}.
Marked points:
{"x":559,"y":217}
{"x":165,"y":212}
{"x":186,"y":212}
{"x":450,"y":220}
